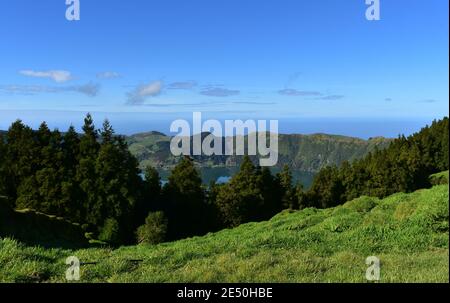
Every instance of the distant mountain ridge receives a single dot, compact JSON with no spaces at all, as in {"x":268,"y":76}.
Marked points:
{"x":306,"y":153}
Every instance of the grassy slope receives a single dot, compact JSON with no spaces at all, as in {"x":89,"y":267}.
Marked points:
{"x":408,"y":232}
{"x":35,"y":228}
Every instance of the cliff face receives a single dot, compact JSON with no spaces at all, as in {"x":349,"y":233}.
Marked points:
{"x":306,"y":153}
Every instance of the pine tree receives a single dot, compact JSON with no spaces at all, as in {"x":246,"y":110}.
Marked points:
{"x":86,"y":175}
{"x":289,"y":199}
{"x":185,"y":201}
{"x":151,"y":195}
{"x":20,"y":157}
{"x":272,"y":194}
{"x":152,"y":181}
{"x":3,"y":169}
{"x":118,"y":183}
{"x":241,"y":200}
{"x":327,"y":189}
{"x":301,"y":197}
{"x":71,"y":195}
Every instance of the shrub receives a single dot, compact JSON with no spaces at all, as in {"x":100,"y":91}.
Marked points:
{"x":439,"y":178}
{"x":110,"y":232}
{"x":154,"y":230}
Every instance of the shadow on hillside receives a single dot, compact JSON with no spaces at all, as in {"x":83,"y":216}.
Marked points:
{"x":37,"y":229}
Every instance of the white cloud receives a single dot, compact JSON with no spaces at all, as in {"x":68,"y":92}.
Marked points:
{"x":56,"y":75}
{"x":142,"y":92}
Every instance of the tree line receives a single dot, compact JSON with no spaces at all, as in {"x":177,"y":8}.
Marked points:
{"x":404,"y":166}
{"x":92,"y":179}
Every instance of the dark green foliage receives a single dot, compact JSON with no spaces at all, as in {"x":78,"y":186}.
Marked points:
{"x":19,"y":159}
{"x":289,"y":199}
{"x":154,"y":230}
{"x":94,"y":180}
{"x":404,"y":166}
{"x":327,"y":189}
{"x":3,"y":173}
{"x":110,"y":233}
{"x":239,"y":200}
{"x":118,"y":182}
{"x":86,"y":175}
{"x":251,"y":195}
{"x":152,"y":181}
{"x":36,"y":228}
{"x":439,"y":178}
{"x":85,"y":178}
{"x":185,"y":201}
{"x":301,"y":197}
{"x":151,"y":195}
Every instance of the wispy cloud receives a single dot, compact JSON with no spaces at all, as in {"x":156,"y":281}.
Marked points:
{"x":108,"y":75}
{"x":331,"y":97}
{"x":200,"y":104}
{"x":142,"y":92}
{"x":219,"y":92}
{"x":292,"y":79}
{"x":428,"y":101}
{"x":254,"y":103}
{"x":298,"y":93}
{"x":89,"y":89}
{"x":56,"y":75}
{"x":183,"y":85}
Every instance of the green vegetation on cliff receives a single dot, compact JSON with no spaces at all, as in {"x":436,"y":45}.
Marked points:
{"x":306,"y":153}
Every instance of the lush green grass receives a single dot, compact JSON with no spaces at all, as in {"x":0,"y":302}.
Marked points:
{"x":408,"y":232}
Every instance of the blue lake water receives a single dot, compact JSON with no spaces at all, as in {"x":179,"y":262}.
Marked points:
{"x":221,"y":175}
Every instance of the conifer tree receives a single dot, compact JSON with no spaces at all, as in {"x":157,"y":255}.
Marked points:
{"x":71,"y":195}
{"x":151,"y":195}
{"x":185,"y":201}
{"x":21,"y":158}
{"x":3,"y":163}
{"x":86,"y":175}
{"x":241,"y":200}
{"x":289,"y":199}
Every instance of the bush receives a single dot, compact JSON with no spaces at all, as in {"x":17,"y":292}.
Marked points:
{"x":439,"y":178}
{"x":154,"y":230}
{"x":110,"y":232}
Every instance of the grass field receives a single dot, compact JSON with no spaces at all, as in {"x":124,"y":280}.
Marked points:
{"x":407,"y":232}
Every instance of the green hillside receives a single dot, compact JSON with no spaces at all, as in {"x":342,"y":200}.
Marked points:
{"x":408,"y":232}
{"x":307,"y":153}
{"x":32,"y":227}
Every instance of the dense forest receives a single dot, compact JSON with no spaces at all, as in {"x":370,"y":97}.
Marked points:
{"x":93,"y":179}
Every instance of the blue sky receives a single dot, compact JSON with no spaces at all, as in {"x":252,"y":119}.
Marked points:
{"x":293,"y":60}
